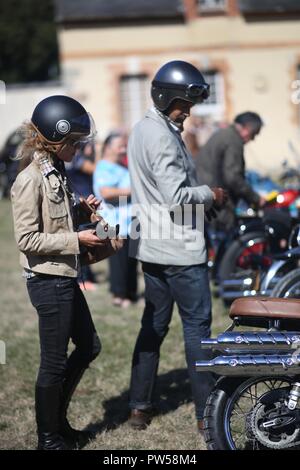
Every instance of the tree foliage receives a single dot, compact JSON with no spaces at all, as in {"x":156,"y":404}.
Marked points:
{"x":28,"y":43}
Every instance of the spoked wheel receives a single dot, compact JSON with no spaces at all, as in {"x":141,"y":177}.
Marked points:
{"x":288,"y":286}
{"x":250,"y":415}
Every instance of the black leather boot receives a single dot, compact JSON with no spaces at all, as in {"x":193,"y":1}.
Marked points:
{"x":47,"y":407}
{"x":73,"y":437}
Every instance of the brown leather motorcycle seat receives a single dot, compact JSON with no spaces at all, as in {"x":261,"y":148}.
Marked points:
{"x":267,"y":307}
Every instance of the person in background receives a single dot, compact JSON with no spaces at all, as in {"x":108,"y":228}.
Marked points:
{"x":221,"y":163}
{"x":80,"y":173}
{"x":191,"y":135}
{"x":197,"y":132}
{"x":110,"y":182}
{"x":9,"y":165}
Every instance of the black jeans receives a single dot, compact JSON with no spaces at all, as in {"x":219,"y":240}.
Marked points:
{"x":123,"y":273}
{"x":188,"y":286}
{"x":63,"y":315}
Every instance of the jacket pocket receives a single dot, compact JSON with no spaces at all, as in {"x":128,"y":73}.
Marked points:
{"x":56,"y":205}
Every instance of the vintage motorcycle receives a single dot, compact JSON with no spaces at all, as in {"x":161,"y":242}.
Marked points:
{"x":252,"y":245}
{"x":255,"y":404}
{"x":272,"y":275}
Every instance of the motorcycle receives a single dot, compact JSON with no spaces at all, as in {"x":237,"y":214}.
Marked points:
{"x":229,"y":253}
{"x":267,"y":235}
{"x":268,"y":277}
{"x":251,"y":254}
{"x":255,"y":404}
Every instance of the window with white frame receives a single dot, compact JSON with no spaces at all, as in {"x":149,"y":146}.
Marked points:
{"x":214,"y":106}
{"x":212,"y":6}
{"x":135,"y":98}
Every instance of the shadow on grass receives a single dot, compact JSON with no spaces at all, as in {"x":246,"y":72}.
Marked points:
{"x":172,"y":391}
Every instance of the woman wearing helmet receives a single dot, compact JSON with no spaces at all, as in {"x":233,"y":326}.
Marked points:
{"x":45,"y":219}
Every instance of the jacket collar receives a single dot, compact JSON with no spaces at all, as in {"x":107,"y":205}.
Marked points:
{"x":152,"y":114}
{"x":235,"y":132}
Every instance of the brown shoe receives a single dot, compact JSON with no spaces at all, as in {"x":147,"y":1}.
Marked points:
{"x":200,"y":425}
{"x":140,"y":419}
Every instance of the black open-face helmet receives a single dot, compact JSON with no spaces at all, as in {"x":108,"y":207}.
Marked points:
{"x":178,"y":80}
{"x":60,"y":118}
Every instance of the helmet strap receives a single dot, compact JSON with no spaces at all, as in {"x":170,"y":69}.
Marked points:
{"x":52,"y":148}
{"x":48,"y":146}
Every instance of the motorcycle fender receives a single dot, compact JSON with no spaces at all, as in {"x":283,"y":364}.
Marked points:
{"x":273,"y":270}
{"x":257,"y":237}
{"x":229,"y":384}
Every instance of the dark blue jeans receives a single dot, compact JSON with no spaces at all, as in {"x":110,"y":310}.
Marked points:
{"x":188,"y":286}
{"x":63,"y":315}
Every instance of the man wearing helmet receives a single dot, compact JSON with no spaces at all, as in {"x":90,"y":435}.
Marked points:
{"x":45,"y":223}
{"x":164,"y":182}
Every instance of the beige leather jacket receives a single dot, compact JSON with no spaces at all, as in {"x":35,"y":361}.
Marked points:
{"x":43,"y":223}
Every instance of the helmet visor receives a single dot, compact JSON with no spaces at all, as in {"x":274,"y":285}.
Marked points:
{"x":83,"y":129}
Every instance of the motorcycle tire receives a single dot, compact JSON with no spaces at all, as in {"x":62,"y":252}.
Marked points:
{"x":228,"y":265}
{"x":214,"y":430}
{"x":284,"y":288}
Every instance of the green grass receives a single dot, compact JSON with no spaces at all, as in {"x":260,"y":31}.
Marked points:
{"x":102,"y":396}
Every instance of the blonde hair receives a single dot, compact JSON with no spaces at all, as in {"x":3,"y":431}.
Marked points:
{"x":31,"y":142}
{"x":31,"y":148}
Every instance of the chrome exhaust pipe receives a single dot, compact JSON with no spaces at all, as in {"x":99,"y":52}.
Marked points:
{"x":248,"y":340}
{"x":250,"y":365}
